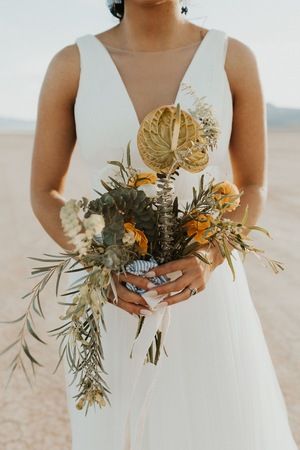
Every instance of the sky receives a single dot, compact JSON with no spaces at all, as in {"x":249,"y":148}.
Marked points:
{"x":32,"y":31}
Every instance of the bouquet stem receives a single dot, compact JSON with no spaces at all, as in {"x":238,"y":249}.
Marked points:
{"x":166,"y":219}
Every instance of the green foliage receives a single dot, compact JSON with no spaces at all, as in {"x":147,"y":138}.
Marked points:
{"x":163,"y":223}
{"x":59,"y":264}
{"x":120,"y":205}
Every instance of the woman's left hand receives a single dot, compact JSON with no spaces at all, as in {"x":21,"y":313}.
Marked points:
{"x":195,"y":274}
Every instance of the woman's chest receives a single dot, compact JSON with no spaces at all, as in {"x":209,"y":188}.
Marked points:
{"x":117,"y":90}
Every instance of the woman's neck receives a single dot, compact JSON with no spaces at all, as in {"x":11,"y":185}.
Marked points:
{"x":154,"y":26}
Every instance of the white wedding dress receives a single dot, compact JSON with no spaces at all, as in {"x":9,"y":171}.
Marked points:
{"x":217,"y":389}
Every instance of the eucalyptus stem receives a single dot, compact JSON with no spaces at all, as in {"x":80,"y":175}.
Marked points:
{"x":166,"y":216}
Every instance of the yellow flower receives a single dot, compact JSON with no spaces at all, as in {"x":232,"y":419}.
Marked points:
{"x":139,"y":237}
{"x":142,"y":178}
{"x":225,"y":192}
{"x":200,"y":227}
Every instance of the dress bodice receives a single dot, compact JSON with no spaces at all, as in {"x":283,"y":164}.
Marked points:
{"x":106,"y":119}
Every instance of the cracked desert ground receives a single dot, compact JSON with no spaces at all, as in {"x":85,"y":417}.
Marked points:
{"x":37,"y":419}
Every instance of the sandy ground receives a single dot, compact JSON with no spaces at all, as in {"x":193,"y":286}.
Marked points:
{"x":36,"y":419}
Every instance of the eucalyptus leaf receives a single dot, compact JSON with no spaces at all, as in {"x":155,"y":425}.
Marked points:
{"x":115,"y":182}
{"x":25,"y":373}
{"x":59,"y":328}
{"x":44,"y":259}
{"x":39,"y":304}
{"x":34,"y":307}
{"x":116,"y":163}
{"x":29,"y":355}
{"x":15,"y":365}
{"x":66,"y":294}
{"x":78,"y":270}
{"x":257,"y":228}
{"x":56,"y":256}
{"x":107,"y":187}
{"x":33,"y":333}
{"x":15,"y":320}
{"x":128,"y":154}
{"x":43,"y":269}
{"x":228,"y":257}
{"x":201,"y":257}
{"x":9,"y":347}
{"x":60,"y":360}
{"x":60,"y":270}
{"x":26,"y":295}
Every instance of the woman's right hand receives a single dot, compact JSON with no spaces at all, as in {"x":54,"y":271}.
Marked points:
{"x":128,"y":300}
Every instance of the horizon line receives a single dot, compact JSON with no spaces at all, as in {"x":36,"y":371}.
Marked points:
{"x":294,"y":108}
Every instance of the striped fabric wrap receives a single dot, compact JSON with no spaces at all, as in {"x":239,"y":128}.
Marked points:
{"x":140,"y":267}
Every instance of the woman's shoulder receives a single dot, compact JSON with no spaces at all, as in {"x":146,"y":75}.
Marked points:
{"x":236,"y":48}
{"x":239,"y":49}
{"x":65,"y":58}
{"x":241,"y":63}
{"x":63,"y":70}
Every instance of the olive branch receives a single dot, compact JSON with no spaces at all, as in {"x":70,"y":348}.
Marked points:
{"x":34,"y":306}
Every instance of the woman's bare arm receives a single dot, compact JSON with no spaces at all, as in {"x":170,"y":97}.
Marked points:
{"x":248,"y":143}
{"x":54,"y":141}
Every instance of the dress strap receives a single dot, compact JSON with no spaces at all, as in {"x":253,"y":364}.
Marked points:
{"x":225,"y":46}
{"x":209,"y":69}
{"x":216,"y":76}
{"x":220,"y":47}
{"x":86,"y":50}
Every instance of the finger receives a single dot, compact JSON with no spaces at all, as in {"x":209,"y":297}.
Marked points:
{"x":139,"y":281}
{"x":130,"y":296}
{"x":185,"y":294}
{"x":172,"y":286}
{"x":181,"y":296}
{"x":163,"y":269}
{"x":131,"y":308}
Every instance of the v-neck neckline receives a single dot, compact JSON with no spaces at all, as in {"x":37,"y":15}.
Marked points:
{"x":131,"y":106}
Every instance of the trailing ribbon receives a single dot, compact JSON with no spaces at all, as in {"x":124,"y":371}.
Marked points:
{"x":159,"y":320}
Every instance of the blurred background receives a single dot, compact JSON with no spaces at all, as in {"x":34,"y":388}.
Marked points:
{"x":31,"y":33}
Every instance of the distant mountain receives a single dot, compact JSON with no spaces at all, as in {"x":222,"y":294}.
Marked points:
{"x":277,"y":117}
{"x":282,"y":117}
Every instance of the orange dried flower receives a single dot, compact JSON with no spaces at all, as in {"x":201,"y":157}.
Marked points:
{"x":139,"y":237}
{"x":225,"y":192}
{"x":142,"y":178}
{"x":200,"y":227}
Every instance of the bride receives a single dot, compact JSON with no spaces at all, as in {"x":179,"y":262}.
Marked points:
{"x":217,"y":389}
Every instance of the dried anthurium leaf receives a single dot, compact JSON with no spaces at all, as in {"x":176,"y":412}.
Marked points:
{"x":169,"y":138}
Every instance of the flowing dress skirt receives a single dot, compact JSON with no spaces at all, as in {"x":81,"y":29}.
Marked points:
{"x":216,"y":389}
